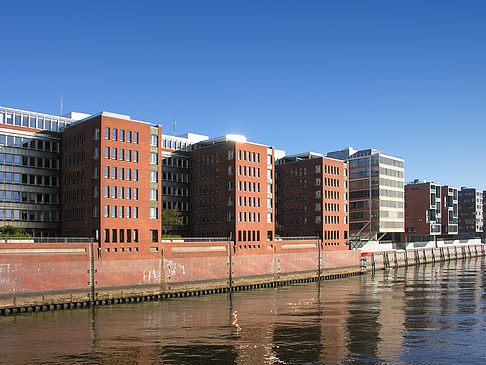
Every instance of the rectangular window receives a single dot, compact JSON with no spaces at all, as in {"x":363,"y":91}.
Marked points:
{"x":121,"y":211}
{"x":153,"y":158}
{"x":129,"y":155}
{"x":122,"y":135}
{"x":114,"y":134}
{"x":135,"y":156}
{"x":113,"y":153}
{"x":107,"y":211}
{"x":154,"y":140}
{"x":129,"y":137}
{"x":121,"y":154}
{"x":153,"y":213}
{"x":129,"y":193}
{"x":153,"y":176}
{"x":113,"y":211}
{"x":121,"y":174}
{"x":135,"y":175}
{"x":113,"y":192}
{"x":113,"y":173}
{"x":135,"y":216}
{"x":128,"y":215}
{"x":107,"y":172}
{"x":135,"y":137}
{"x":107,"y":152}
{"x":107,"y":191}
{"x":121,"y":192}
{"x":107,"y":133}
{"x":153,"y":194}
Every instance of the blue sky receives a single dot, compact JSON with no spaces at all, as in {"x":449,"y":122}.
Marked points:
{"x":406,"y":77}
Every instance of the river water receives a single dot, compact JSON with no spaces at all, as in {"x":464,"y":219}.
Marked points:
{"x":427,"y":314}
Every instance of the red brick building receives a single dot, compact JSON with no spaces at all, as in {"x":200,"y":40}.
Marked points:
{"x":423,"y":207}
{"x":232,"y":190}
{"x":108,"y":173}
{"x":312,"y":199}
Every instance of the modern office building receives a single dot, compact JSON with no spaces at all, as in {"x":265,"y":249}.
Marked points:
{"x":233,"y":190}
{"x":376,"y":195}
{"x":423,"y":207}
{"x":470,"y":212}
{"x":312,"y":199}
{"x":30,"y":169}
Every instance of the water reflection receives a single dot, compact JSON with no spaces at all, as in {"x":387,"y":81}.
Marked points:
{"x":424,"y":314}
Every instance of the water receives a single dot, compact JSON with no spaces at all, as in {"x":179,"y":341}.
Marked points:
{"x":431,"y":314}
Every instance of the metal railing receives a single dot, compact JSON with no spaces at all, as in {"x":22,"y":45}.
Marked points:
{"x":44,"y":240}
{"x":300,"y":238}
{"x":195,"y":239}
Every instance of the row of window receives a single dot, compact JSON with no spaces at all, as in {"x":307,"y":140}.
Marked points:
{"x":75,"y":159}
{"x":121,"y":135}
{"x":249,"y":236}
{"x":120,"y":212}
{"x":296,"y":196}
{"x":328,"y":194}
{"x":121,"y":192}
{"x":207,"y":219}
{"x":176,"y":162}
{"x":207,"y":159}
{"x":121,"y":173}
{"x":29,"y":215}
{"x":207,"y":174}
{"x":249,"y":156}
{"x":121,"y":236}
{"x":207,"y":204}
{"x":248,"y":171}
{"x":24,"y":142}
{"x":296,"y":172}
{"x":74,"y":195}
{"x":74,"y":141}
{"x":175,"y":191}
{"x":250,"y":201}
{"x":25,"y":197}
{"x":250,"y":217}
{"x":206,"y":189}
{"x":35,"y":162}
{"x":74,"y":214}
{"x":121,"y":154}
{"x":32,"y":121}
{"x":294,"y":185}
{"x":74,"y":177}
{"x":13,"y":178}
{"x":249,"y":186}
{"x":175,"y":176}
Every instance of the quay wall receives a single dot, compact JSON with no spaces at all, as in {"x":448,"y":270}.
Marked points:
{"x":36,"y":276}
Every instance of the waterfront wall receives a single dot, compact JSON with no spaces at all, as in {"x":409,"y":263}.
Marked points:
{"x":60,"y":272}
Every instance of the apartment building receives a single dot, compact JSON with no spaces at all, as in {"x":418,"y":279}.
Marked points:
{"x":376,"y":195}
{"x":312,"y":199}
{"x":470,"y":212}
{"x":450,"y":211}
{"x":233,"y":190}
{"x":423,"y":211}
{"x":30,"y":169}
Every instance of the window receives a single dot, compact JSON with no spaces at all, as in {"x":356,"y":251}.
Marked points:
{"x":129,"y":155}
{"x":135,"y":175}
{"x":153,"y":213}
{"x":153,"y":176}
{"x":121,"y":154}
{"x":153,"y":194}
{"x":317,"y":169}
{"x":113,"y":173}
{"x":230,"y":155}
{"x":135,"y":156}
{"x":107,"y":152}
{"x":107,"y":172}
{"x":153,"y":158}
{"x":107,"y":211}
{"x":135,"y":216}
{"x":114,"y":134}
{"x":113,"y":153}
{"x":107,"y":133}
{"x":135,"y":137}
{"x":113,"y":211}
{"x":154,"y":140}
{"x":129,"y":137}
{"x":107,"y":191}
{"x":135,"y":193}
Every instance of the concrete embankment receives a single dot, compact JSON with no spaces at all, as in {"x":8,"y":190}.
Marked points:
{"x":49,"y":278}
{"x":378,"y":260}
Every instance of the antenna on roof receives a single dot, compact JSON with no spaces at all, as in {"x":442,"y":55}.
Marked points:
{"x":60,"y":112}
{"x":174,"y":126}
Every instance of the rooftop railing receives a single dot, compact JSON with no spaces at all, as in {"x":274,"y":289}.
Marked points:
{"x":44,"y":240}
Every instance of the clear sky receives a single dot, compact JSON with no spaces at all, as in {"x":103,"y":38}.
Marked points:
{"x":405,"y":77}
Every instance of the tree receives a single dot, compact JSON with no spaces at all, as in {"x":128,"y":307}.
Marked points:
{"x":278,"y":228}
{"x":171,"y":218}
{"x":11,"y":231}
